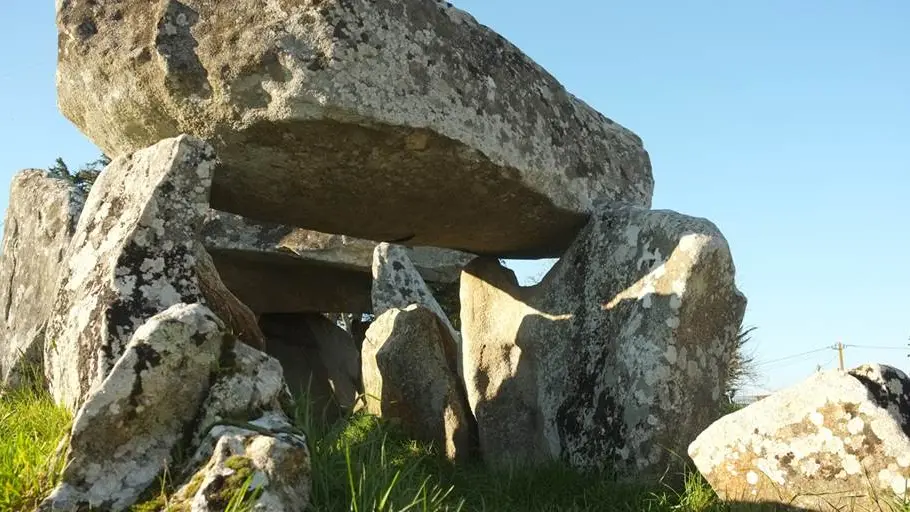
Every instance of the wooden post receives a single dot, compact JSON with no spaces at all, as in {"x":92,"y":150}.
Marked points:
{"x":840,"y":354}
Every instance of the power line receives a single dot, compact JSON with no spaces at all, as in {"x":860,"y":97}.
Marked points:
{"x":794,"y":356}
{"x":874,"y":347}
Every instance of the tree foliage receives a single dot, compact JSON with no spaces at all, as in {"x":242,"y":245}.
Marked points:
{"x":85,"y":177}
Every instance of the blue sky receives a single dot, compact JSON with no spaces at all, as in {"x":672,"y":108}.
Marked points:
{"x":784,"y":122}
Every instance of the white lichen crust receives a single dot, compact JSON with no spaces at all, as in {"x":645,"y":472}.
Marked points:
{"x":839,"y":439}
{"x":132,"y":256}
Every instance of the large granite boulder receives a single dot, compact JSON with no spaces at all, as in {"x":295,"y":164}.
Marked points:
{"x":126,"y":432}
{"x":410,"y":376}
{"x":134,"y":254}
{"x":39,"y":224}
{"x":617,"y":358}
{"x":838,"y":441}
{"x":425,"y":125}
{"x":319,"y":359}
{"x":275,"y":268}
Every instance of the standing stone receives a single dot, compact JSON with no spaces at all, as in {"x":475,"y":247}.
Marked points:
{"x":410,"y":375}
{"x":39,"y":224}
{"x":617,"y":359}
{"x":427,"y":126}
{"x":838,"y":441}
{"x":398,"y":284}
{"x":319,"y":359}
{"x":282,"y":269}
{"x":133,"y":255}
{"x":124,"y":435}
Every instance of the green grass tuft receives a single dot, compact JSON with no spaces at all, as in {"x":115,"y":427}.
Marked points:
{"x":31,"y":428}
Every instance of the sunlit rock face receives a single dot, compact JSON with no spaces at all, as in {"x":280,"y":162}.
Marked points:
{"x":617,"y":359}
{"x":400,"y":120}
{"x":132,"y":256}
{"x":838,"y":441}
{"x":39,"y":224}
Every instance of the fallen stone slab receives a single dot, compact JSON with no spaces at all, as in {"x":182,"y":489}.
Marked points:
{"x":38,"y":227}
{"x":424,"y":125}
{"x":276,"y":268}
{"x":617,"y":359}
{"x":837,"y":441}
{"x":410,"y":375}
{"x":125,"y":433}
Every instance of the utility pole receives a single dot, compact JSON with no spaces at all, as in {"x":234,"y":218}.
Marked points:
{"x":840,"y":354}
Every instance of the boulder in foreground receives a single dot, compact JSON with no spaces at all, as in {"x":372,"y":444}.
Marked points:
{"x":838,"y":441}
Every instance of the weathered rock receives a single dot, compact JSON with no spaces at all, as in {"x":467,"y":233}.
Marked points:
{"x":268,"y":460}
{"x":124,"y":435}
{"x":135,"y":253}
{"x":615,"y":360}
{"x":282,"y":269}
{"x":838,"y":441}
{"x":319,"y":359}
{"x":248,"y":382}
{"x":398,"y":284}
{"x":314,"y":104}
{"x":237,"y":315}
{"x":132,"y":256}
{"x":410,"y":375}
{"x":39,"y":224}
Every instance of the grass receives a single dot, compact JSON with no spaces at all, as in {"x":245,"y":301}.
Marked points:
{"x":31,"y":428}
{"x":361,"y":464}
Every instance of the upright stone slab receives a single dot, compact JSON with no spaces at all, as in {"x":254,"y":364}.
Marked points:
{"x":837,"y":441}
{"x":398,"y":284}
{"x":428,"y":127}
{"x":617,"y":359}
{"x":38,"y":226}
{"x":133,"y":255}
{"x":276,"y":268}
{"x":125,"y":434}
{"x":225,"y":304}
{"x":410,"y":375}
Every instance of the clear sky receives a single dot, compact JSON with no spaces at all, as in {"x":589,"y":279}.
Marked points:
{"x":785,"y":122}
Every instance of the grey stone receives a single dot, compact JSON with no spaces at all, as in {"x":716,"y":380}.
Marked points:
{"x":410,"y":375}
{"x":319,"y":360}
{"x":39,"y":224}
{"x":837,"y":441}
{"x":124,"y":435}
{"x":248,"y":382}
{"x":617,"y":359}
{"x":397,"y":284}
{"x":133,"y":255}
{"x":282,"y":269}
{"x":425,"y":125}
{"x":268,"y":457}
